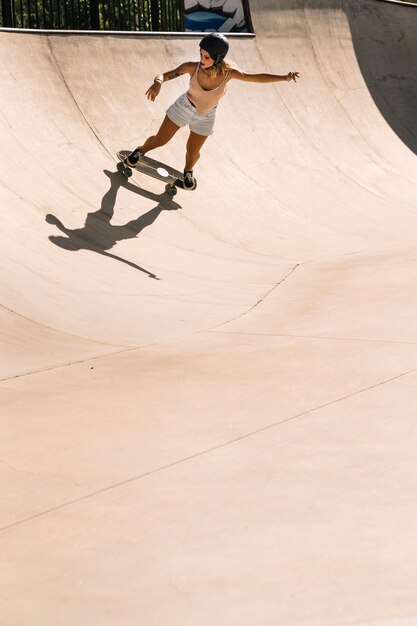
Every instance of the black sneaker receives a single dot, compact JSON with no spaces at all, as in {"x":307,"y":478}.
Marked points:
{"x":133,"y":157}
{"x":189,"y":181}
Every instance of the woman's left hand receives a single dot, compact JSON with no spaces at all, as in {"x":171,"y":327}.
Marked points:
{"x":293,"y":76}
{"x":153,"y":90}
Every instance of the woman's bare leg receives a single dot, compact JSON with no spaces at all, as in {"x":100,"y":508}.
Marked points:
{"x":194,"y":144}
{"x":165,"y":133}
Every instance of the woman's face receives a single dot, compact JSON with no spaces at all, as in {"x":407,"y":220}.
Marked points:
{"x":205,"y":59}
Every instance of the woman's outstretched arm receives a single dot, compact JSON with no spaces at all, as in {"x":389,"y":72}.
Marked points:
{"x":263,"y":78}
{"x":155,"y":88}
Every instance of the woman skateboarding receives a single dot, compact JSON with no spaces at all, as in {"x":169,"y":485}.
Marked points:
{"x":197,"y":107}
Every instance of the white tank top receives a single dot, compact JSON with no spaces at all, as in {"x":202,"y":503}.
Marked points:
{"x":205,"y":100}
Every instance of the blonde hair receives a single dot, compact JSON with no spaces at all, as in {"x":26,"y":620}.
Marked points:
{"x":223,"y":68}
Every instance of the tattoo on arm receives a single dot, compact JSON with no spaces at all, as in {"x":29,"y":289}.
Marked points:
{"x":172,"y":75}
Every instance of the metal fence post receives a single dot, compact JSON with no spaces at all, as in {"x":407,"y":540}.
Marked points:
{"x":155,"y":15}
{"x":94,"y":15}
{"x":6,"y":9}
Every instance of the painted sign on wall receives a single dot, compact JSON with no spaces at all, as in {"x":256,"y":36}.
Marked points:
{"x":224,"y":16}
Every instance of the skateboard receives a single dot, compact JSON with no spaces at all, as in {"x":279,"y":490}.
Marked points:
{"x":173,"y":178}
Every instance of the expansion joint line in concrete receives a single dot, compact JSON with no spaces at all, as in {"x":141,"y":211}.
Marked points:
{"x":119,"y":350}
{"x":67,"y":87}
{"x":287,"y":275}
{"x":202,"y":453}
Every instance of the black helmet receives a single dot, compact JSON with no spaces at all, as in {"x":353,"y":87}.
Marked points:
{"x":216,"y":45}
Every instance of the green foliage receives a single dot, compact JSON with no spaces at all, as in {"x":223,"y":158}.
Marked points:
{"x":123,"y":15}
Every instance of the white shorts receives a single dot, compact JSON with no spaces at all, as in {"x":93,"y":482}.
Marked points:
{"x":182,"y":112}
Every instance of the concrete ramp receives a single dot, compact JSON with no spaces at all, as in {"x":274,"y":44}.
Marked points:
{"x":208,"y":402}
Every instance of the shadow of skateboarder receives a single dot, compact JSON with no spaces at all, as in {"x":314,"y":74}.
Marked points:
{"x":99,"y":235}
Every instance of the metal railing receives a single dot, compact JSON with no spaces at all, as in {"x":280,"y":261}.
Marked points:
{"x":98,"y":15}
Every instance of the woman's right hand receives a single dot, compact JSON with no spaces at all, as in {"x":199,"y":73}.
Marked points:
{"x":292,"y":76}
{"x":153,"y":90}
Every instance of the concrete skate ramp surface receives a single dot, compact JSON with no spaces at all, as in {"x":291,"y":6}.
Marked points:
{"x":208,"y":402}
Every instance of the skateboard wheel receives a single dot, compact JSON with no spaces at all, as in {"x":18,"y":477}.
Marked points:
{"x":171,"y":190}
{"x":126,"y":171}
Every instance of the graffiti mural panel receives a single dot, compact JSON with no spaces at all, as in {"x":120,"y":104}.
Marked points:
{"x":224,"y":16}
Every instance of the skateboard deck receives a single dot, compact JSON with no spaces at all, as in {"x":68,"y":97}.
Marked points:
{"x":155,"y":169}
